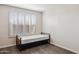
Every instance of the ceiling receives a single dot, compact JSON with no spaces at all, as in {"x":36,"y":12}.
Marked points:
{"x":37,"y":7}
{"x":45,"y":7}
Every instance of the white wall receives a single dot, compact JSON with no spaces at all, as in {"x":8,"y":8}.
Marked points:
{"x":62,"y":21}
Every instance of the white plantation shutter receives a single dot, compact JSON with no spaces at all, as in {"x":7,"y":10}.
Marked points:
{"x":22,"y":23}
{"x":12,"y":23}
{"x":33,"y":17}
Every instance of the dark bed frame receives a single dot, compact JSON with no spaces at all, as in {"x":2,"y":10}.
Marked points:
{"x":32,"y":44}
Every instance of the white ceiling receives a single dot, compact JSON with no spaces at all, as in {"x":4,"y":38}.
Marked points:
{"x":37,"y":7}
{"x":44,"y":7}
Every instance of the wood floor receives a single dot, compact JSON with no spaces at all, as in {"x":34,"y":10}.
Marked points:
{"x":42,"y":49}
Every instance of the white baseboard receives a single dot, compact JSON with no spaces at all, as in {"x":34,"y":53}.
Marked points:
{"x":7,"y":46}
{"x":65,"y":48}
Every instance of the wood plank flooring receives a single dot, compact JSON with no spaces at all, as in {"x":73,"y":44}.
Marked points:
{"x":42,"y":49}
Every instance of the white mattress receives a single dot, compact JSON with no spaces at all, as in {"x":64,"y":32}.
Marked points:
{"x":33,"y":38}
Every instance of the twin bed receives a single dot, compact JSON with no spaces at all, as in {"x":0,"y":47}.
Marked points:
{"x":23,"y":42}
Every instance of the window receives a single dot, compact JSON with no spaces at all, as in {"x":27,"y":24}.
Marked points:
{"x":22,"y":23}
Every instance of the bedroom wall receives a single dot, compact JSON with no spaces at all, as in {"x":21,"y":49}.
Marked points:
{"x":62,"y":22}
{"x":5,"y":40}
